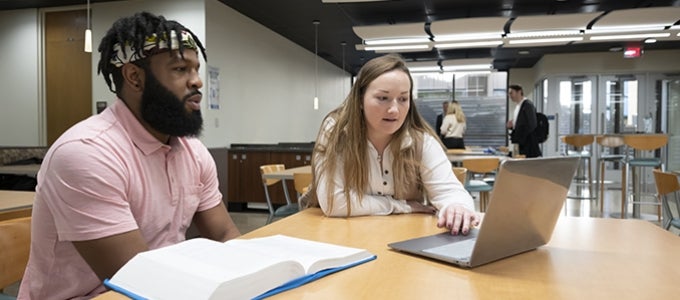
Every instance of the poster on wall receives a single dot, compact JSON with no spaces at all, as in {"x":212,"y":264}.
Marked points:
{"x":213,"y":88}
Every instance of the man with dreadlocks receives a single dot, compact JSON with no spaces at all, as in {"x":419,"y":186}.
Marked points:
{"x":132,"y":178}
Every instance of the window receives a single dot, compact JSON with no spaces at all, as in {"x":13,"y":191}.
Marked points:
{"x":483,"y":97}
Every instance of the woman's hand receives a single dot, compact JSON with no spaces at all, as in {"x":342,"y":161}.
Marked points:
{"x":458,"y":219}
{"x":419,"y":207}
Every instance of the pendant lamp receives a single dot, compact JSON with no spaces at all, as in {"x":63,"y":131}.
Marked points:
{"x":88,"y":31}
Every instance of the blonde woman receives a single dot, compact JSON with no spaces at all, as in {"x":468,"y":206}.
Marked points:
{"x":453,"y":126}
{"x":375,"y":155}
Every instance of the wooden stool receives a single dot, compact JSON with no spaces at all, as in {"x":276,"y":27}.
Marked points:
{"x":611,"y":142}
{"x":579,"y":142}
{"x":642,"y":144}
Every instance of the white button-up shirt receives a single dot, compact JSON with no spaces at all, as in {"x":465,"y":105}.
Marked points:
{"x":440,"y":184}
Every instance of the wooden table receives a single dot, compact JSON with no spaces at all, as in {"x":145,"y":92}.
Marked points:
{"x":288,"y":173}
{"x":29,"y":170}
{"x":456,"y":156}
{"x":587,"y":258}
{"x":15,"y":204}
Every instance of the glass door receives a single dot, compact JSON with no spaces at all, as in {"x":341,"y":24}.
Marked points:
{"x":619,"y":110}
{"x":670,"y":99}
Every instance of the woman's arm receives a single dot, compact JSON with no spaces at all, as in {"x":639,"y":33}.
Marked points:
{"x":338,"y":207}
{"x":441,"y":184}
{"x":446,"y":122}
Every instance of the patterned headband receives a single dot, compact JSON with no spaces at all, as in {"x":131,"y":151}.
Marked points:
{"x":152,"y":45}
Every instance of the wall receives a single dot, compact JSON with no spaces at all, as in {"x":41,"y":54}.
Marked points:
{"x":266,"y":83}
{"x":608,"y":63}
{"x":19,"y":83}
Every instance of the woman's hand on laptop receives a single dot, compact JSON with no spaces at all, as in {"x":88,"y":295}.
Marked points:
{"x":458,"y":219}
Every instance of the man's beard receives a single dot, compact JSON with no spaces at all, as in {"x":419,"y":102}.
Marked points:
{"x":166,"y":113}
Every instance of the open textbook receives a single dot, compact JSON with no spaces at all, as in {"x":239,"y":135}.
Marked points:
{"x":237,"y":269}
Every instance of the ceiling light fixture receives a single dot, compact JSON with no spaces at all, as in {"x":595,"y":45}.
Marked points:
{"x":543,"y":33}
{"x":423,"y":67}
{"x":629,"y":36}
{"x":469,"y":64}
{"x":397,"y":48}
{"x":88,"y":31}
{"x":316,"y":63}
{"x":546,"y":40}
{"x":389,"y":41}
{"x":468,"y":44}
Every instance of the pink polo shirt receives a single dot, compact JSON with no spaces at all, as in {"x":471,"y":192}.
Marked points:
{"x":104,"y":176}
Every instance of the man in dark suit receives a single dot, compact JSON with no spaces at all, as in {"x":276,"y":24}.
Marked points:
{"x":523,"y":123}
{"x":440,"y":118}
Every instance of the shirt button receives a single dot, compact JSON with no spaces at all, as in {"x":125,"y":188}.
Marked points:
{"x":384,"y":182}
{"x":387,"y":172}
{"x":379,"y":193}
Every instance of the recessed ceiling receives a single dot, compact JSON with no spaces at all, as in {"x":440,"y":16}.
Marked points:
{"x":293,"y":20}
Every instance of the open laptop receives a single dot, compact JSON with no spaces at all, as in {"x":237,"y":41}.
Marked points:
{"x":524,"y":207}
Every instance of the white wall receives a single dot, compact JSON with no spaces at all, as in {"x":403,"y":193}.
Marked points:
{"x":266,"y":83}
{"x":19,"y":116}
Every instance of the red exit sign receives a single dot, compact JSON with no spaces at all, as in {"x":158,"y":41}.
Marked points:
{"x":632,"y":52}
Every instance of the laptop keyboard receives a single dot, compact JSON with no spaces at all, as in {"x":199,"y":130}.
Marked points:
{"x":461,"y":250}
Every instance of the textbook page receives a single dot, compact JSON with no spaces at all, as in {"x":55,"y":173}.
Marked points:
{"x":194,"y":269}
{"x":237,"y":269}
{"x":314,"y":256}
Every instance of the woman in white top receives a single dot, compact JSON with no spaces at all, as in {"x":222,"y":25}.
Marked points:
{"x":375,"y":155}
{"x":453,"y":126}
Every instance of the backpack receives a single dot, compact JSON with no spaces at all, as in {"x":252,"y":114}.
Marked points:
{"x":542,"y":128}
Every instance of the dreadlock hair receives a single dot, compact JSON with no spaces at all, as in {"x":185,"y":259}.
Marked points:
{"x":134,"y":30}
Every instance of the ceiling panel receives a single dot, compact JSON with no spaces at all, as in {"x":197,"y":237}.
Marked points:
{"x":293,"y":20}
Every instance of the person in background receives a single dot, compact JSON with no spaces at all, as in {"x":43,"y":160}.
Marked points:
{"x":523,"y":123}
{"x":440,"y":118}
{"x":375,"y":155}
{"x":132,"y":178}
{"x":453,"y":126}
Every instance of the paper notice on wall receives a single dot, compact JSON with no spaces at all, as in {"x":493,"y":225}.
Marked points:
{"x":213,"y":88}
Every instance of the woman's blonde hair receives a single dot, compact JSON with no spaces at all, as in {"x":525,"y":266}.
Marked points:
{"x":455,"y":108}
{"x":347,"y":140}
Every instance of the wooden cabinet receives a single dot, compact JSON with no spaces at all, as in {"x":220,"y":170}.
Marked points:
{"x":244,"y":179}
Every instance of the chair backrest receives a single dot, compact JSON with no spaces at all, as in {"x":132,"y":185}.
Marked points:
{"x":646,"y":141}
{"x":302,"y":182}
{"x":481,"y":165}
{"x":666,"y":182}
{"x":15,"y":243}
{"x":578,"y":140}
{"x":611,"y":141}
{"x":266,"y":169}
{"x":460,"y":173}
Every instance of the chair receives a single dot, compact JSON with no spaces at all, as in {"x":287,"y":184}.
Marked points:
{"x":667,"y":186}
{"x":285,"y":210}
{"x":302,"y":182}
{"x":477,"y":168}
{"x":15,"y":242}
{"x":643,"y":145}
{"x":609,"y":142}
{"x":460,"y":173}
{"x":579,"y":142}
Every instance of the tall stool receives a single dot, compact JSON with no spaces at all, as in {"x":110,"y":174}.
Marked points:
{"x":579,"y":142}
{"x":477,"y":168}
{"x":608,"y":142}
{"x":644,"y":145}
